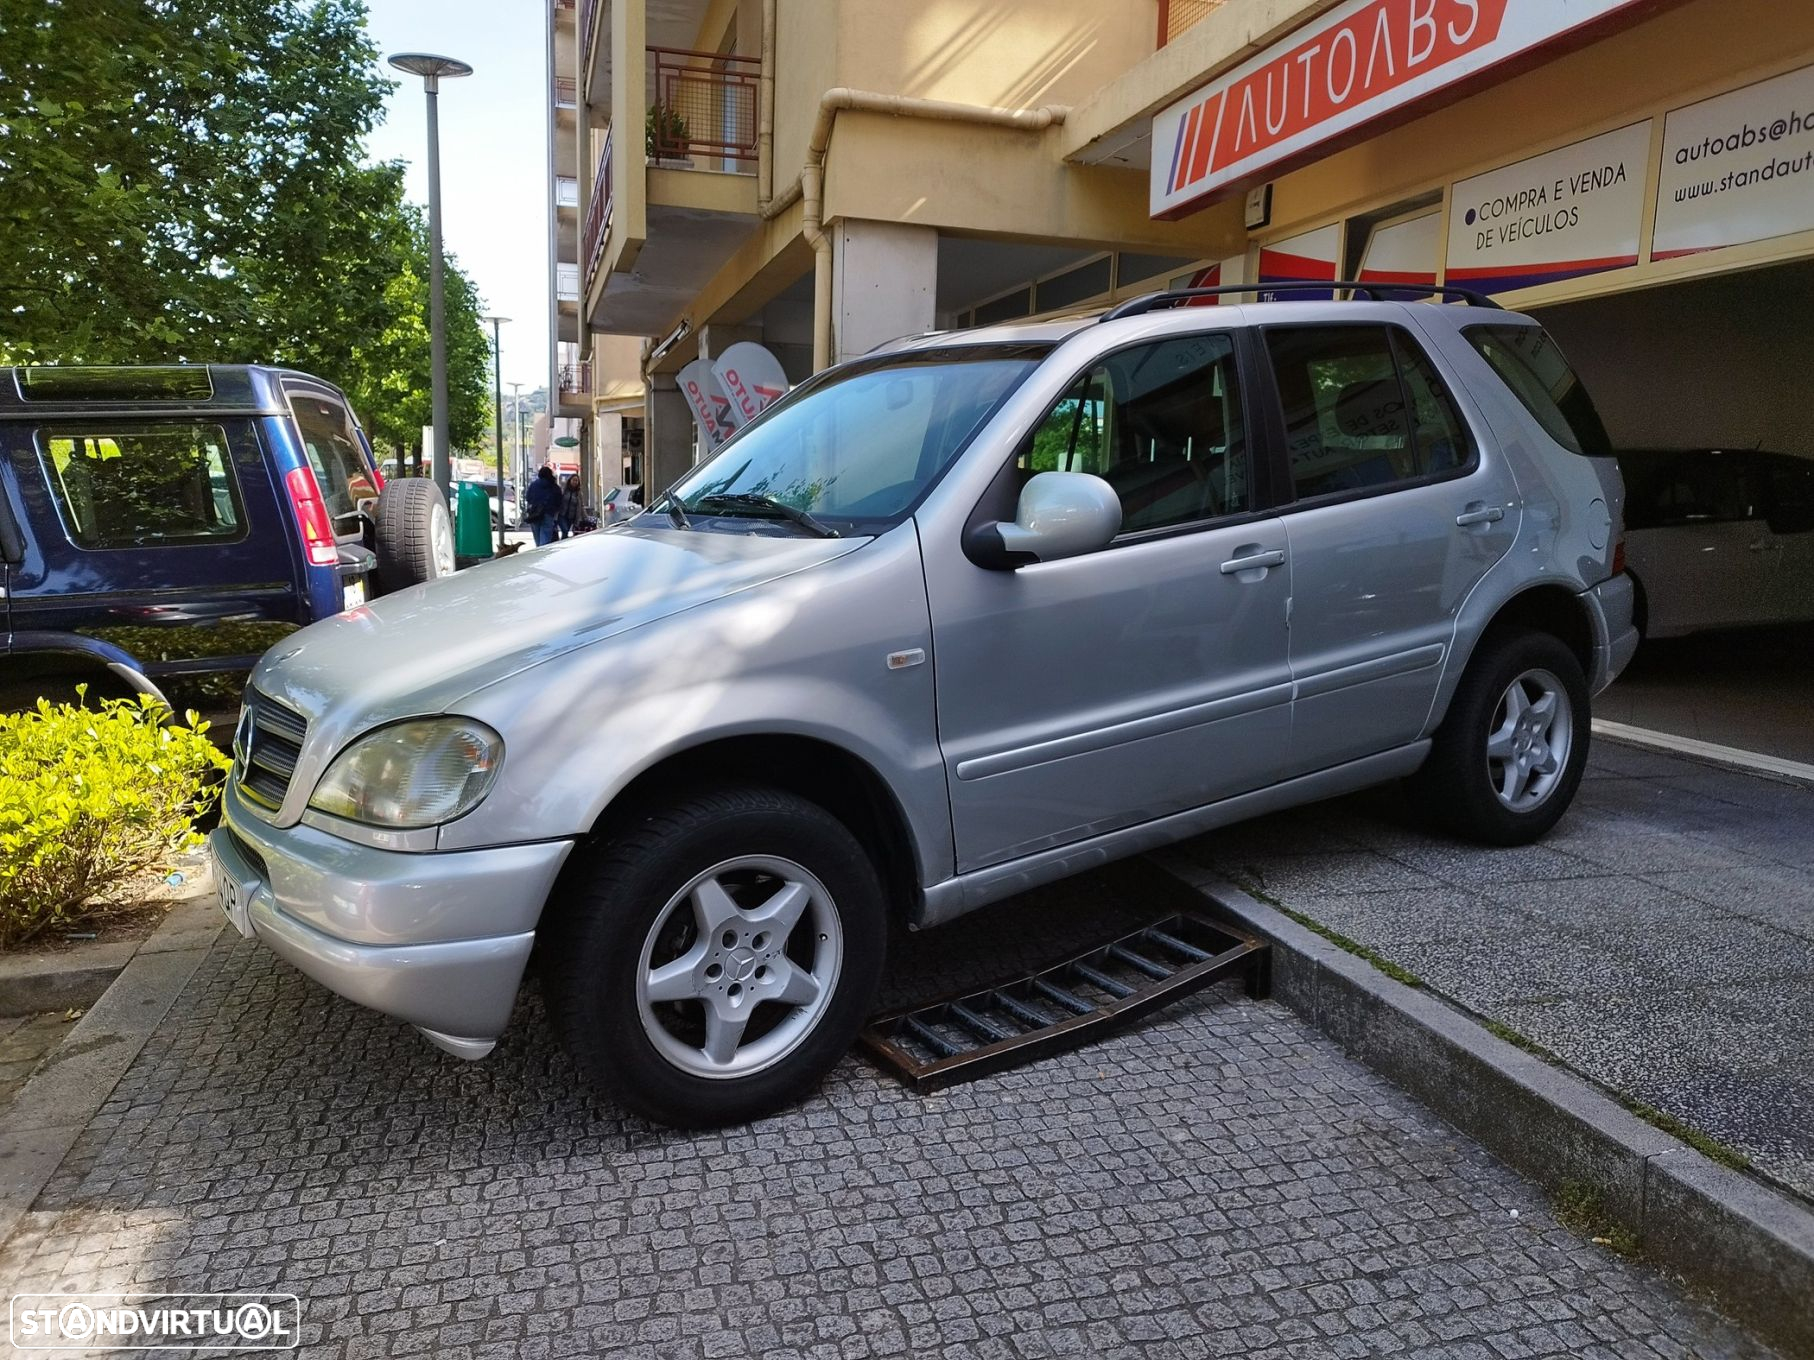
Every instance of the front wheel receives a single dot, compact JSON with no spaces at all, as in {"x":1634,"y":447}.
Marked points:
{"x":1508,"y":758}
{"x":713,"y":960}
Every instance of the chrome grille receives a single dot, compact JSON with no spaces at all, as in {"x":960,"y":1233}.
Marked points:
{"x":266,"y":745}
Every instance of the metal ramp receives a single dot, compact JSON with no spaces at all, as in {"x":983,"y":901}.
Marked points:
{"x":1066,"y":1006}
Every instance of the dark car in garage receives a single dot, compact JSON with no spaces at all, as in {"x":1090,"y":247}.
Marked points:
{"x":1718,"y":538}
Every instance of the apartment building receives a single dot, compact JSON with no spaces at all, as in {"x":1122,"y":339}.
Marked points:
{"x":823,"y":175}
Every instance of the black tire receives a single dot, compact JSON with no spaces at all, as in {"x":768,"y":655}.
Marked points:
{"x":611,"y":901}
{"x":1456,"y":787}
{"x":411,"y":511}
{"x":1640,"y":609}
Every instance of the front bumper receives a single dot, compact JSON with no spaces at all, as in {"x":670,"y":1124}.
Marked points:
{"x":1610,"y":605}
{"x":438,"y":940}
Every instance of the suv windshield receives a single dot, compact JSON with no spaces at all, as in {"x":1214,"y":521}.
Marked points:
{"x":860,"y":447}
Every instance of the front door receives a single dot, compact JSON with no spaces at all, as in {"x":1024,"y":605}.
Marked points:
{"x":1080,"y":696}
{"x":1395,"y":518}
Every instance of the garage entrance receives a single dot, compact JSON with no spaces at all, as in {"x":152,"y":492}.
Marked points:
{"x":1707,"y":387}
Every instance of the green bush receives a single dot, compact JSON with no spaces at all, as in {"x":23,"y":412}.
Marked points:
{"x":90,"y":798}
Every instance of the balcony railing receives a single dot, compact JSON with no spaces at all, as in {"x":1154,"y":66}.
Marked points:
{"x":1177,"y":15}
{"x":576,"y":379}
{"x":566,"y":282}
{"x":566,"y":92}
{"x":705,"y":105}
{"x":598,"y":211}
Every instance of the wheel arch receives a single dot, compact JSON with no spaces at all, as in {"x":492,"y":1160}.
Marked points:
{"x":71,"y":657}
{"x":1553,"y":607}
{"x":822,"y":772}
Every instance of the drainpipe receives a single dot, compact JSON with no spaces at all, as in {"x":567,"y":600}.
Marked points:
{"x":765,"y":112}
{"x":810,"y":185}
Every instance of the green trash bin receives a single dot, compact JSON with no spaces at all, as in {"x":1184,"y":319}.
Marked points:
{"x":472,"y":522}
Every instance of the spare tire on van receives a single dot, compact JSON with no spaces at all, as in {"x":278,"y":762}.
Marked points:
{"x":415,"y":534}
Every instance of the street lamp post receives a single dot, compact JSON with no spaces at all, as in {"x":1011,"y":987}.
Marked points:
{"x":432,"y":69}
{"x":497,"y":408}
{"x":516,"y":411}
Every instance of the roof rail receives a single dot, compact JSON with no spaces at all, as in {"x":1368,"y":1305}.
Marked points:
{"x":1153,"y":302}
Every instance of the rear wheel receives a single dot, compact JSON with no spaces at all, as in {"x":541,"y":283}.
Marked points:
{"x":415,"y":534}
{"x":1508,"y":758}
{"x":713,"y":960}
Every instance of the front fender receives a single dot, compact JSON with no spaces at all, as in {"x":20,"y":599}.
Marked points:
{"x":804,"y":656}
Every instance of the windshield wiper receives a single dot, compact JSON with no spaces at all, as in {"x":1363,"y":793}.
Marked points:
{"x":750,"y":500}
{"x":677,"y":512}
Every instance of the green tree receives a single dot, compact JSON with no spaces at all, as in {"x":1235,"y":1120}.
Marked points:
{"x":182,"y":180}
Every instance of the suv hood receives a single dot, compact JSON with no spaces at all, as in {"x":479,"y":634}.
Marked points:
{"x":422,"y":649}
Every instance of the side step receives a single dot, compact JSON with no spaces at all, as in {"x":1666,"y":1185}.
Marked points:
{"x":1067,"y":1006}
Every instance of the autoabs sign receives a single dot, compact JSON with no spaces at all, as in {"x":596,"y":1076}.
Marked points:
{"x":1362,"y":61}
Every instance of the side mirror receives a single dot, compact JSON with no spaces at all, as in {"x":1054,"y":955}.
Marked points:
{"x":1061,"y":514}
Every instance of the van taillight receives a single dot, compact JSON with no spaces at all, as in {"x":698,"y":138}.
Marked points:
{"x":1618,"y":557}
{"x":312,"y":514}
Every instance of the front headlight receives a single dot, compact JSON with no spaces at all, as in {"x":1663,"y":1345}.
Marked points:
{"x":412,"y":774}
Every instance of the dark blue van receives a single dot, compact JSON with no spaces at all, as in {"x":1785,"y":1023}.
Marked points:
{"x":162,"y":527}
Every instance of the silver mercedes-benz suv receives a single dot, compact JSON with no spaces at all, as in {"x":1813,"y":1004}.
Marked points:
{"x":948,"y":621}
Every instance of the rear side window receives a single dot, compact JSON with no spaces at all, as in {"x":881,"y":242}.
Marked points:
{"x":1672,"y":489}
{"x":332,"y":446}
{"x":132,"y":486}
{"x":1533,"y":367}
{"x":1364,"y":408}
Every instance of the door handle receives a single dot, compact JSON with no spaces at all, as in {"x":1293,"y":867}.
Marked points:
{"x":1480,"y":514}
{"x":1254,"y":562}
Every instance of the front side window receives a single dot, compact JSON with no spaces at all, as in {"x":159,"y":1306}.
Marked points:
{"x":1162,"y":424}
{"x":1529,"y":363}
{"x":1364,"y":408}
{"x":332,"y":446}
{"x":859,"y":450}
{"x":135,"y":486}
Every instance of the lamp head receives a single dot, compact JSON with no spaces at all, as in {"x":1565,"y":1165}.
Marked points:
{"x":429,"y":66}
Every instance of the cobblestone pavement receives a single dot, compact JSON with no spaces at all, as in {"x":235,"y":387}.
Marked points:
{"x":1659,"y":940}
{"x":1219,"y":1181}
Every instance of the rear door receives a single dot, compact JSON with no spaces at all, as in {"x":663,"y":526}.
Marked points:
{"x":158,"y":534}
{"x":1701,"y":547}
{"x":1788,"y":489}
{"x":1395,"y":517}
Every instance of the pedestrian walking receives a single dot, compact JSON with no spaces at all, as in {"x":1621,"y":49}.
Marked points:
{"x":567,"y":522}
{"x":542,"y":507}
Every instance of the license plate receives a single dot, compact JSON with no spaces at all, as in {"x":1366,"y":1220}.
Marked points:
{"x":232,"y":896}
{"x":352,"y":594}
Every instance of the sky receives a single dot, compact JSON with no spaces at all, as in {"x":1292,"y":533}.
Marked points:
{"x":494,"y":153}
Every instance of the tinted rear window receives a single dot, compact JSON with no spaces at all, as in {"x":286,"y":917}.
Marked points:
{"x":1533,"y":367}
{"x":332,"y":445}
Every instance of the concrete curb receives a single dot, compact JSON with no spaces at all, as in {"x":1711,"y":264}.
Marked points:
{"x":1748,"y":1245}
{"x":43,"y":1121}
{"x":55,"y":982}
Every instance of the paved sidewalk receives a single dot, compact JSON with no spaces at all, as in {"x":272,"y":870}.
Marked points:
{"x":1219,"y":1181}
{"x":1660,"y":940}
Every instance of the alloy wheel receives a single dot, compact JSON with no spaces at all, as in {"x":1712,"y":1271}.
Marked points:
{"x":1529,"y":740}
{"x":739,"y":967}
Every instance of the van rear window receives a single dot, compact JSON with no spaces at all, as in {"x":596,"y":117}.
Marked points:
{"x":1533,"y":367}
{"x":131,"y":486}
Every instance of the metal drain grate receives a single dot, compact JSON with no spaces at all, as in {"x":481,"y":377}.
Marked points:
{"x":1064,"y":1007}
